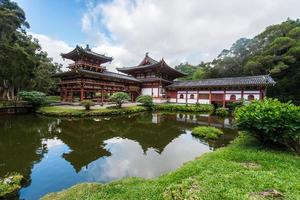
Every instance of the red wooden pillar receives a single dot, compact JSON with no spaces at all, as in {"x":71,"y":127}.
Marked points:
{"x":176,"y":96}
{"x":61,"y":94}
{"x":209,"y":96}
{"x":81,"y":93}
{"x":102,"y":96}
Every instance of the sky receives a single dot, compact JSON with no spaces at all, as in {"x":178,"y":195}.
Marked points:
{"x":177,"y":30}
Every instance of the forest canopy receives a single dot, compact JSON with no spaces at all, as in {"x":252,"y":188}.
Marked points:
{"x":23,"y":64}
{"x":275,"y":51}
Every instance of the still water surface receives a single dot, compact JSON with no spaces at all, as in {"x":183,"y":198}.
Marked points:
{"x":54,"y":154}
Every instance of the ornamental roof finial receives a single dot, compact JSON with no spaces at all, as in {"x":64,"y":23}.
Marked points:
{"x":147,"y":53}
{"x":87,"y":48}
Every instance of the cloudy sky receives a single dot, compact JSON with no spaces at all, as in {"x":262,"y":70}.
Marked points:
{"x":177,"y":30}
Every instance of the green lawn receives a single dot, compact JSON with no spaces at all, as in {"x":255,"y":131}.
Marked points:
{"x":61,"y":111}
{"x":239,"y":171}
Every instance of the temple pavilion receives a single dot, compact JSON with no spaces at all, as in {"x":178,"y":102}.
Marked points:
{"x":88,"y":78}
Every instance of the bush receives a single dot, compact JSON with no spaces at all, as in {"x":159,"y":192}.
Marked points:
{"x":207,"y":108}
{"x":87,"y":104}
{"x":207,"y":132}
{"x":119,"y":98}
{"x":221,"y":112}
{"x":233,"y":105}
{"x":10,"y":185}
{"x":271,"y":121}
{"x":145,"y":100}
{"x":36,"y":99}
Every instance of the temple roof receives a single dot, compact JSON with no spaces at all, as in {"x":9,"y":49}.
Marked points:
{"x":87,"y":52}
{"x":262,"y":80}
{"x":149,"y":63}
{"x":106,"y":74}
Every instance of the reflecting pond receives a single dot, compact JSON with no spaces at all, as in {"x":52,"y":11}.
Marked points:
{"x":56,"y":153}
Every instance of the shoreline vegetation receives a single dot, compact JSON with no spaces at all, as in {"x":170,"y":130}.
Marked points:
{"x":61,"y":111}
{"x":243,"y":170}
{"x":10,"y":185}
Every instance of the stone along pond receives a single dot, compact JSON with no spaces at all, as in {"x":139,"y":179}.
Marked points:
{"x":56,"y":153}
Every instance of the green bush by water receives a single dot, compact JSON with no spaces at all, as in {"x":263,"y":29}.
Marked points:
{"x":10,"y":185}
{"x":145,"y":100}
{"x":60,"y":111}
{"x":119,"y":98}
{"x":271,"y":121}
{"x":207,"y":132}
{"x":87,"y":104}
{"x":204,"y":108}
{"x":222,"y":112}
{"x":36,"y":98}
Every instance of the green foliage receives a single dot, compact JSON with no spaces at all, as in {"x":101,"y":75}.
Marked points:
{"x":207,"y":108}
{"x":275,"y":51}
{"x":233,"y":105}
{"x":60,"y":111}
{"x":37,"y":99}
{"x":207,"y":132}
{"x":271,"y":121}
{"x":226,"y":173}
{"x":10,"y":185}
{"x":194,"y":72}
{"x":87,"y":104}
{"x":145,"y":100}
{"x":119,"y":98}
{"x":221,"y":112}
{"x":25,"y":65}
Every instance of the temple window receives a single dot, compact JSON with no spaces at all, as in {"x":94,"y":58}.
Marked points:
{"x":250,"y":97}
{"x":181,"y":96}
{"x":232,"y":97}
{"x":192,"y":96}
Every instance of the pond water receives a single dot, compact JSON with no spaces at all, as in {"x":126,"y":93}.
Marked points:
{"x":56,"y":153}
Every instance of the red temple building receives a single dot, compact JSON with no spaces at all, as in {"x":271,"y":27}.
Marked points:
{"x":88,"y":78}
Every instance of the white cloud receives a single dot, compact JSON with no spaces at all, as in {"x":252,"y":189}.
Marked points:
{"x":54,"y":48}
{"x":178,"y":30}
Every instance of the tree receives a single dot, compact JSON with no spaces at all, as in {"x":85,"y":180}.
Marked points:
{"x":24,"y":66}
{"x":119,"y":98}
{"x":37,"y":99}
{"x":145,"y":100}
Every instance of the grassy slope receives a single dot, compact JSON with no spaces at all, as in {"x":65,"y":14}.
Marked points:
{"x":238,"y":171}
{"x":7,"y":190}
{"x":61,"y":111}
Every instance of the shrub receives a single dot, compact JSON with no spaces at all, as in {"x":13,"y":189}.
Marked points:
{"x":119,"y":98}
{"x":145,"y":100}
{"x":271,"y":121}
{"x":87,"y":104}
{"x":221,"y":112}
{"x":208,"y":108}
{"x":233,"y":105}
{"x":36,"y":99}
{"x":207,"y":132}
{"x":10,"y":185}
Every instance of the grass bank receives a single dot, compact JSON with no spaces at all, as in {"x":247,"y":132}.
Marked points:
{"x":204,"y":108}
{"x":243,"y":170}
{"x":10,"y":185}
{"x":59,"y":111}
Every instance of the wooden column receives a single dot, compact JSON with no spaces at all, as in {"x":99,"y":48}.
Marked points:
{"x":186,"y":97}
{"x":242,"y":95}
{"x":209,"y":96}
{"x":61,"y":94}
{"x":176,"y":96}
{"x":224,"y":98}
{"x":81,"y":93}
{"x":197,"y":96}
{"x":102,"y":95}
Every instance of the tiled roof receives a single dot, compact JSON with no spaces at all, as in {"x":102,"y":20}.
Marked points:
{"x":86,"y":51}
{"x":99,"y":74}
{"x":230,"y":81}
